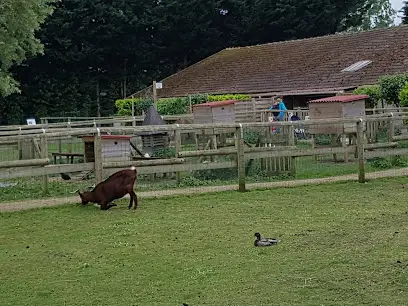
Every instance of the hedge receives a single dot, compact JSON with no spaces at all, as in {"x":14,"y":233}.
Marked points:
{"x":171,"y":106}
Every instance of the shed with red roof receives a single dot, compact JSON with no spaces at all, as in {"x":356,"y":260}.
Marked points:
{"x":346,"y":106}
{"x":215,"y":112}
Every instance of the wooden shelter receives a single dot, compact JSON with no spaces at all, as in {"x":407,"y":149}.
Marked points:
{"x":346,"y":106}
{"x":215,"y":112}
{"x":114,"y":147}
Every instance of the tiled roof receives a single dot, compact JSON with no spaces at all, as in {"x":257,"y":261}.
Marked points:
{"x":344,"y":99}
{"x":295,"y":65}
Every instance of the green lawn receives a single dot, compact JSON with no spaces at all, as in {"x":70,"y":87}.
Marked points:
{"x":341,"y":244}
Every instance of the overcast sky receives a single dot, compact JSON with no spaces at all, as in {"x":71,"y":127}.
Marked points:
{"x":397,"y":5}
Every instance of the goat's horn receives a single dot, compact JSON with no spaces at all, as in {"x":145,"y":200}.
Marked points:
{"x":74,"y":191}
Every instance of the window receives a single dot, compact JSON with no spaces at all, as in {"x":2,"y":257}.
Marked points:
{"x":356,"y":66}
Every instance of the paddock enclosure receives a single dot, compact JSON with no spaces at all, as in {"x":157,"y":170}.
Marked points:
{"x":170,"y":152}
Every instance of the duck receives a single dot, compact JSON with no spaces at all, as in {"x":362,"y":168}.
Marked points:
{"x":264,"y":241}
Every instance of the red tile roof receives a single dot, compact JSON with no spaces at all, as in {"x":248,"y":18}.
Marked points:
{"x":314,"y":63}
{"x":216,"y":103}
{"x":344,"y":99}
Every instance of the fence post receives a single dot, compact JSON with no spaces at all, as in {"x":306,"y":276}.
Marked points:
{"x":98,"y":157}
{"x":44,"y":154}
{"x":239,"y":143}
{"x":391,"y":128}
{"x":177,"y":139}
{"x":292,"y":142}
{"x":360,"y":150}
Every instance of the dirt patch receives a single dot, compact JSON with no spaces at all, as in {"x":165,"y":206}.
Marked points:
{"x":24,"y":205}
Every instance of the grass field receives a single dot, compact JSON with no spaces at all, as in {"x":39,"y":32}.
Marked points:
{"x":341,"y":244}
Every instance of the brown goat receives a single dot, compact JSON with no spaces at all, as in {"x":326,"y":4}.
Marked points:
{"x":114,"y":187}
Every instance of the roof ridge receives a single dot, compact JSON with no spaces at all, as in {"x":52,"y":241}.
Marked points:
{"x":337,"y":34}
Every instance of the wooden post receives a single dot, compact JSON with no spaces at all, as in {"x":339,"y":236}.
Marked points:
{"x":190,"y":105}
{"x":253,"y":110}
{"x":391,"y":128}
{"x":291,"y":142}
{"x":44,"y":154}
{"x":133,"y":106}
{"x":239,"y":138}
{"x":98,"y":157}
{"x":155,"y":94}
{"x":177,"y":149}
{"x":360,"y":151}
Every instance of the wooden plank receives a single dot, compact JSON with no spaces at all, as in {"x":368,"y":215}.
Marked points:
{"x":360,"y":151}
{"x":177,"y":140}
{"x":385,"y":153}
{"x":11,"y":173}
{"x":25,"y":163}
{"x":225,"y":151}
{"x":301,"y":152}
{"x":380,"y":145}
{"x":145,"y":163}
{"x":240,"y":158}
{"x":179,"y":168}
{"x":98,"y":158}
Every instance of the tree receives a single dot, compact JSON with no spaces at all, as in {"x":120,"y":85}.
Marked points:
{"x":405,"y":13}
{"x":373,"y":14}
{"x":17,"y":36}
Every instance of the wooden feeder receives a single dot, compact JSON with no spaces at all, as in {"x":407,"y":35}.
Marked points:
{"x":348,"y":106}
{"x":153,"y":141}
{"x":114,"y":147}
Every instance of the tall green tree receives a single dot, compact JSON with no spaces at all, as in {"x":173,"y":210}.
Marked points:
{"x":374,"y":14}
{"x":405,"y":13}
{"x":120,"y":46}
{"x":19,"y":19}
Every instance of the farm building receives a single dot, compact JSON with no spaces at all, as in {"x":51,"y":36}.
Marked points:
{"x":299,"y":70}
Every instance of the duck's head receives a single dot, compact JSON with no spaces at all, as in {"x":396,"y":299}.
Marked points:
{"x":258,"y":236}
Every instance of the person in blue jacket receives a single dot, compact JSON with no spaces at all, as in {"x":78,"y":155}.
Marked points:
{"x":278,"y":105}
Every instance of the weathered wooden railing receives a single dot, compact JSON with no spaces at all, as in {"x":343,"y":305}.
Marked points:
{"x":241,"y":153}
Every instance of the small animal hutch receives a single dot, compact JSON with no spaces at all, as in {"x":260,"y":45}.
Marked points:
{"x":213,"y":112}
{"x":114,"y":147}
{"x":336,"y":107}
{"x":153,"y":141}
{"x":347,"y":106}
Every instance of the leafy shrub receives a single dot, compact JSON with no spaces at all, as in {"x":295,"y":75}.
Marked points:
{"x":251,"y":137}
{"x":390,"y":87}
{"x":373,"y":91}
{"x":381,"y":163}
{"x":165,"y":153}
{"x":403,"y":95}
{"x":323,"y":140}
{"x":216,"y":174}
{"x":228,"y":97}
{"x":124,"y":106}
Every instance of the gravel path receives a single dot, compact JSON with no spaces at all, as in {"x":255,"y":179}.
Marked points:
{"x":47,"y":202}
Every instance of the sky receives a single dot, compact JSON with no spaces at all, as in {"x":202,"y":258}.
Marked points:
{"x":397,"y":5}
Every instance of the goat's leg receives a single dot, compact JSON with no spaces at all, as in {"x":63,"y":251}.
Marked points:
{"x":131,"y":200}
{"x":134,"y":196}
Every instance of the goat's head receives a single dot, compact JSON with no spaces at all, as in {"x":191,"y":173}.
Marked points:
{"x":86,"y":197}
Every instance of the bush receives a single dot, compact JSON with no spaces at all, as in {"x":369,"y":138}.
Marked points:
{"x":373,"y":91}
{"x":170,"y":106}
{"x":403,"y":96}
{"x":390,"y":87}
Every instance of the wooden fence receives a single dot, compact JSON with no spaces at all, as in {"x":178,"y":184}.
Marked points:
{"x":240,"y":152}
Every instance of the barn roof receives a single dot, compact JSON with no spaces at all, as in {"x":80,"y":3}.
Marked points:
{"x":344,"y":99}
{"x":344,"y":60}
